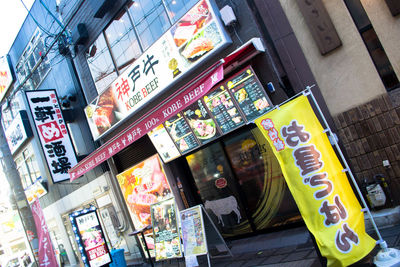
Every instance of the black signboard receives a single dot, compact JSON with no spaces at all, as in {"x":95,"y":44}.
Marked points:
{"x":180,"y":132}
{"x":249,"y":94}
{"x":223,"y":109}
{"x":203,"y":126}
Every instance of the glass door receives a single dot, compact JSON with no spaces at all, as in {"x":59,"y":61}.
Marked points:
{"x":241,"y":184}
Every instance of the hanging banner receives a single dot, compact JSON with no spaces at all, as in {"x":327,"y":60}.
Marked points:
{"x":317,"y":182}
{"x":53,"y":133}
{"x":46,"y":253}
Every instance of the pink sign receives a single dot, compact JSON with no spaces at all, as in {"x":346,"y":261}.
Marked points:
{"x":46,"y":253}
{"x":152,"y":119}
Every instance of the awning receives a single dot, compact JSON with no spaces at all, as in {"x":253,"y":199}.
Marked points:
{"x":177,"y":102}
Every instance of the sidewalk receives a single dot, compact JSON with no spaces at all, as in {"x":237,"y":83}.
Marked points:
{"x":290,"y":248}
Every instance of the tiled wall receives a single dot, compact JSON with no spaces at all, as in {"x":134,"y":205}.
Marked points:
{"x":370,"y":134}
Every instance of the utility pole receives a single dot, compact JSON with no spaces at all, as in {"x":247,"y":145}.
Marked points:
{"x":14,"y":180}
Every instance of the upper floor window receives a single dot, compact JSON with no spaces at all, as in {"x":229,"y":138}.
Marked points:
{"x":27,"y":166}
{"x":134,"y":30}
{"x":33,"y":52}
{"x":10,"y":110}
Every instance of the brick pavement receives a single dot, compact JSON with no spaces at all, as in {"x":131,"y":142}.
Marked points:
{"x":290,"y":248}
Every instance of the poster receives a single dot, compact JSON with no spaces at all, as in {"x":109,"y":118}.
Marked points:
{"x":180,"y":132}
{"x":92,"y":238}
{"x":201,"y":123}
{"x":53,"y":133}
{"x":223,"y":109}
{"x":166,"y":230}
{"x":142,"y":185}
{"x":193,"y":232}
{"x":198,"y":35}
{"x":317,"y":182}
{"x":249,"y":94}
{"x":163,"y":143}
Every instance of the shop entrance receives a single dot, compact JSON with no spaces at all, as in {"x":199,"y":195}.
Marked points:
{"x":241,"y":184}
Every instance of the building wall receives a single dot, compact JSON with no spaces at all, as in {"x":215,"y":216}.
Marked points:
{"x":387,"y":28}
{"x":346,"y":76}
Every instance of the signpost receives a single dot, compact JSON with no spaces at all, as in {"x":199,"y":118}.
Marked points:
{"x":165,"y":230}
{"x":201,"y":236}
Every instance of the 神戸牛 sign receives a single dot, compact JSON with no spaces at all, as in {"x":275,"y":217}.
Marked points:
{"x":317,"y":182}
{"x":196,"y":36}
{"x":90,"y":237}
{"x":165,"y":230}
{"x":53,"y":133}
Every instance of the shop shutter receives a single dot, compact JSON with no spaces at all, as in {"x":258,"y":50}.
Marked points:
{"x":135,"y":153}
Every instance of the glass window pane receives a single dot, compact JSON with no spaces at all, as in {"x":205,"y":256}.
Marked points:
{"x":178,"y":8}
{"x":100,"y":64}
{"x":150,"y":19}
{"x":122,"y":40}
{"x":261,"y":180}
{"x":217,"y":188}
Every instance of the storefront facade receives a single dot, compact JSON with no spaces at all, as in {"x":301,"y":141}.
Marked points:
{"x":208,"y":150}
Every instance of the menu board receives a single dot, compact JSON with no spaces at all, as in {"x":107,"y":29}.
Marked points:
{"x":181,"y":133}
{"x":165,"y":229}
{"x":142,"y":185}
{"x":163,"y":143}
{"x":202,"y":124}
{"x":249,"y":94}
{"x":223,"y":109}
{"x":193,"y":233}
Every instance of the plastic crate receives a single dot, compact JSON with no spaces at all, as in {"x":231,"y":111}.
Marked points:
{"x":118,"y":258}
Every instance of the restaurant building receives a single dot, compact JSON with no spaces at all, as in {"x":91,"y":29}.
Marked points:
{"x":172,"y":90}
{"x":152,"y":86}
{"x":163,"y":95}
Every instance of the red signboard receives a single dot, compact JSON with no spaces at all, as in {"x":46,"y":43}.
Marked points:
{"x":160,"y":113}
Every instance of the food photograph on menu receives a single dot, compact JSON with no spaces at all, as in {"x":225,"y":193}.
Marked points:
{"x":203,"y":126}
{"x":249,"y":94}
{"x":163,"y":143}
{"x":196,"y":33}
{"x":166,"y":230}
{"x":224,"y":110}
{"x":142,"y":185}
{"x":180,"y":132}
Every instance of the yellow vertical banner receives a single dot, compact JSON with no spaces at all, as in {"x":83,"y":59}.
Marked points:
{"x":317,"y":182}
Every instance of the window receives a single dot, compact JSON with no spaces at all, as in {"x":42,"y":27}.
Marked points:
{"x":373,"y":44}
{"x":134,"y":30}
{"x":27,"y":167}
{"x":30,"y":57}
{"x":10,"y":111}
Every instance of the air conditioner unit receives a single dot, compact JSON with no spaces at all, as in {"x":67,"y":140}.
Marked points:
{"x":80,"y":34}
{"x":100,"y":7}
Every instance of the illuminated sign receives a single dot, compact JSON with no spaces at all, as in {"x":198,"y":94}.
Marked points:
{"x":197,"y":36}
{"x":53,"y":134}
{"x":18,"y":131}
{"x":6,"y":77}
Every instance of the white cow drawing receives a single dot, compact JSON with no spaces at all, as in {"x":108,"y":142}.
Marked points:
{"x":223,"y":206}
